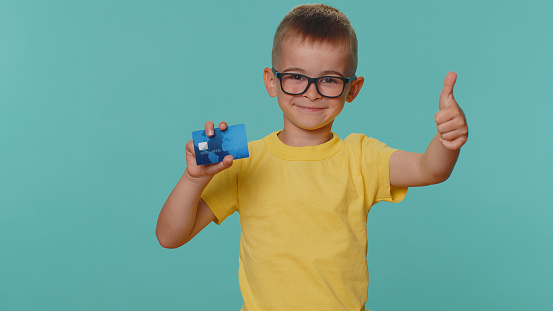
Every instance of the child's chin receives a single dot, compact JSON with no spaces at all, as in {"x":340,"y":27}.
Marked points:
{"x":315,"y":127}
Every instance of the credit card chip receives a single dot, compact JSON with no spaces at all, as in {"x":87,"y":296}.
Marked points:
{"x":202,"y":145}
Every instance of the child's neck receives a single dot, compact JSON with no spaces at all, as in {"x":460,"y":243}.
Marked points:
{"x":297,"y":137}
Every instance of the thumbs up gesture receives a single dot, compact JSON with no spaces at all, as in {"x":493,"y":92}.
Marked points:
{"x":450,"y":119}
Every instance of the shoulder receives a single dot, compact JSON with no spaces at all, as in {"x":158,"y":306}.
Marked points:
{"x":363,"y":142}
{"x":367,"y":149}
{"x":256,"y":147}
{"x":257,"y":150}
{"x":256,"y":144}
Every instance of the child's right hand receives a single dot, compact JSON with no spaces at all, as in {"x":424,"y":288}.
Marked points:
{"x":204,"y":173}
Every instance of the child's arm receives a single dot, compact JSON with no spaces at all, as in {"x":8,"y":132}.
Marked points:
{"x":184,"y":214}
{"x":408,"y":169}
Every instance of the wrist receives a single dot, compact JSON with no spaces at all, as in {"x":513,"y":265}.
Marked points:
{"x":200,"y":182}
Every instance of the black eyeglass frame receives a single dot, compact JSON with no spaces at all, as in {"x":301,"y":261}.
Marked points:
{"x":310,"y":80}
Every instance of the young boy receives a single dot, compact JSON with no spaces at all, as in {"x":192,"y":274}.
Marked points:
{"x":304,"y":194}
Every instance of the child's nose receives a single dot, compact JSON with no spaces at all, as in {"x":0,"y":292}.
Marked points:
{"x":312,"y":93}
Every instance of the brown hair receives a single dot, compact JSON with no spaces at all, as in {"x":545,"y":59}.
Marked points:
{"x":317,"y":23}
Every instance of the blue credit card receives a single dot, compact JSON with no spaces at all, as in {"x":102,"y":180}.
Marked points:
{"x":213,"y":149}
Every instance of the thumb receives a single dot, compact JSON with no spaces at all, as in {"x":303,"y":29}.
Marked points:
{"x":221,"y":166}
{"x":447,"y":90}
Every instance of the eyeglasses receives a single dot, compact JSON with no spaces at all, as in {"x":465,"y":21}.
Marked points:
{"x":327,"y":86}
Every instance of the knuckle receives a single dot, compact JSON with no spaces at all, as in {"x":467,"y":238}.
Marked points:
{"x":456,"y":123}
{"x":437,"y":117}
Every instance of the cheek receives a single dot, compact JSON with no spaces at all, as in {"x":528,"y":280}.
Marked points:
{"x":338,"y":107}
{"x":339,"y":110}
{"x":283,"y":105}
{"x":283,"y":98}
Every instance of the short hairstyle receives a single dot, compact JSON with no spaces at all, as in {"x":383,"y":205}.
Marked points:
{"x":316,"y":23}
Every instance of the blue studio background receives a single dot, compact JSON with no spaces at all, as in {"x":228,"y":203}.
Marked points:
{"x":98,"y":98}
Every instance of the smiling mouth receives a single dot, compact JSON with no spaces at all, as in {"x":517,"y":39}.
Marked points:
{"x":313,"y":109}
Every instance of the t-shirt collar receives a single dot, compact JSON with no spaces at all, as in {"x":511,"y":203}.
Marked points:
{"x":307,"y":153}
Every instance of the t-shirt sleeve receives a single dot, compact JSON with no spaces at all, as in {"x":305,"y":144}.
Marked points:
{"x":376,"y":173}
{"x":221,"y":194}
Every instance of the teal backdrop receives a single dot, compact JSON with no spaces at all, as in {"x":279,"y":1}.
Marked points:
{"x":98,"y":98}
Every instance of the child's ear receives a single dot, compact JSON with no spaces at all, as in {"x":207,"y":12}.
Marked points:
{"x":270,"y":81}
{"x":355,"y":88}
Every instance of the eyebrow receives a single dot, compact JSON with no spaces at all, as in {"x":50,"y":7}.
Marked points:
{"x":324,"y":73}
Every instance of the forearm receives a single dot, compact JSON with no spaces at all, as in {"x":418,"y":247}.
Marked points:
{"x":408,"y":169}
{"x":437,"y":162}
{"x":178,"y":214}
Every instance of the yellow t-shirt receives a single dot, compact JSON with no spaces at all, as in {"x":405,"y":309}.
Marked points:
{"x":303,"y":215}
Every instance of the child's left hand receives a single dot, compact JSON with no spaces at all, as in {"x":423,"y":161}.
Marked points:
{"x":450,"y":120}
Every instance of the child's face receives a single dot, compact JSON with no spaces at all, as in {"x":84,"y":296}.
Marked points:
{"x":311,"y":110}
